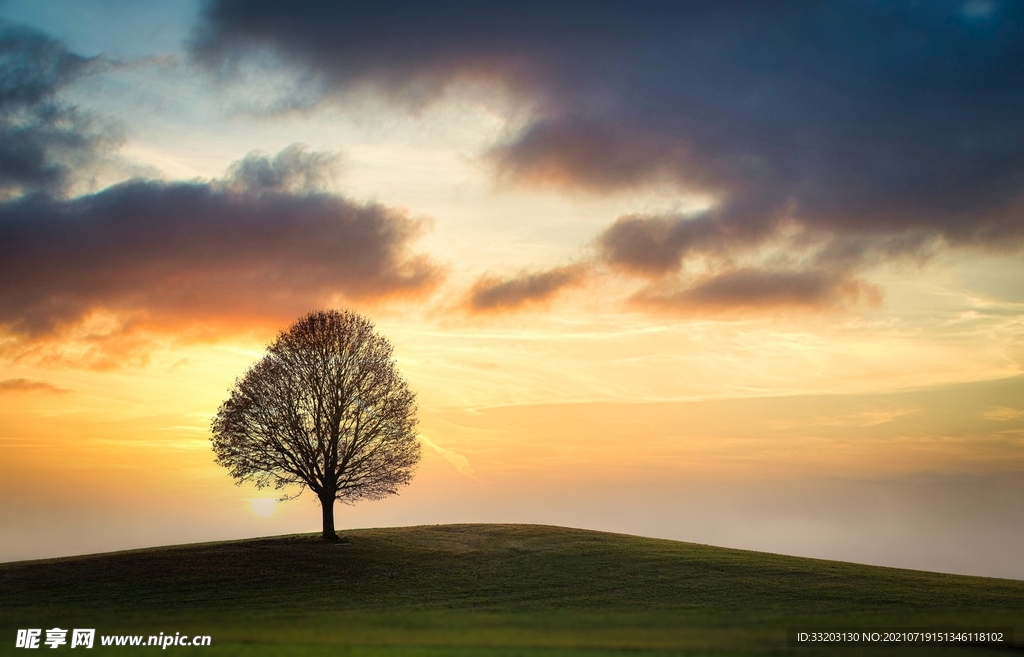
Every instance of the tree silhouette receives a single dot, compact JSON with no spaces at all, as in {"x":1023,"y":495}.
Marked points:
{"x":325,"y":409}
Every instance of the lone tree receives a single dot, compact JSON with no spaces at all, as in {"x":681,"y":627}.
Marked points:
{"x":325,"y":409}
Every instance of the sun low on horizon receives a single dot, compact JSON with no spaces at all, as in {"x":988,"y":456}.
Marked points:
{"x":749,"y":276}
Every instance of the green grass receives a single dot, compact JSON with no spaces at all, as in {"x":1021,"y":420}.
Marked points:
{"x":494,"y":590}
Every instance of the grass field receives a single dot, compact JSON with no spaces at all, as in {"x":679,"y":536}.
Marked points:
{"x":493,"y":590}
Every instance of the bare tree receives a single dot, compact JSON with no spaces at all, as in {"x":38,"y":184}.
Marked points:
{"x":325,"y":409}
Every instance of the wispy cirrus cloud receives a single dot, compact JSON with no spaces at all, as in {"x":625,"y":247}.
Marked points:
{"x":459,"y":461}
{"x":30,"y":385}
{"x":1003,"y":413}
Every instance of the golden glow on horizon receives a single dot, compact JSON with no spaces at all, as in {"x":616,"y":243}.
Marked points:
{"x":263,"y":507}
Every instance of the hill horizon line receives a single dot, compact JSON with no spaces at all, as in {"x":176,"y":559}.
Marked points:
{"x":315,"y":538}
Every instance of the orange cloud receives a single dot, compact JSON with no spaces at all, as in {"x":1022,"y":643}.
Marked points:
{"x":260,"y":247}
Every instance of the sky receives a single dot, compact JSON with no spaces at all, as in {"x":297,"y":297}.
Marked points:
{"x":748,"y":274}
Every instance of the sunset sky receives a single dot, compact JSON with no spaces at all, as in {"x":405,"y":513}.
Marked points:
{"x":740,"y":273}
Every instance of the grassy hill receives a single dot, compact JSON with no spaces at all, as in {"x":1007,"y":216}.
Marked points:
{"x":487,"y":590}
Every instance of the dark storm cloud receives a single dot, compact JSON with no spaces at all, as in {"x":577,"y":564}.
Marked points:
{"x":220,"y":251}
{"x":856,"y":123}
{"x":494,"y":294}
{"x":42,"y":140}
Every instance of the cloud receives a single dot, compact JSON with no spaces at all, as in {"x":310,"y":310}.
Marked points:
{"x":596,"y":156}
{"x":1002,"y":413}
{"x":460,"y":461}
{"x":657,"y":245}
{"x":43,"y":141}
{"x":740,"y":266}
{"x":28,"y":385}
{"x":854,"y":130}
{"x":292,"y":170}
{"x":745,"y":289}
{"x":236,"y":251}
{"x":493,"y":294}
{"x":98,"y":274}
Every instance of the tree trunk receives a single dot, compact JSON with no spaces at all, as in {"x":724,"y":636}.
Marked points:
{"x":327,"y":503}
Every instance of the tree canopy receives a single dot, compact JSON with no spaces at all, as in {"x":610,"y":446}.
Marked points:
{"x":326,"y":409}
